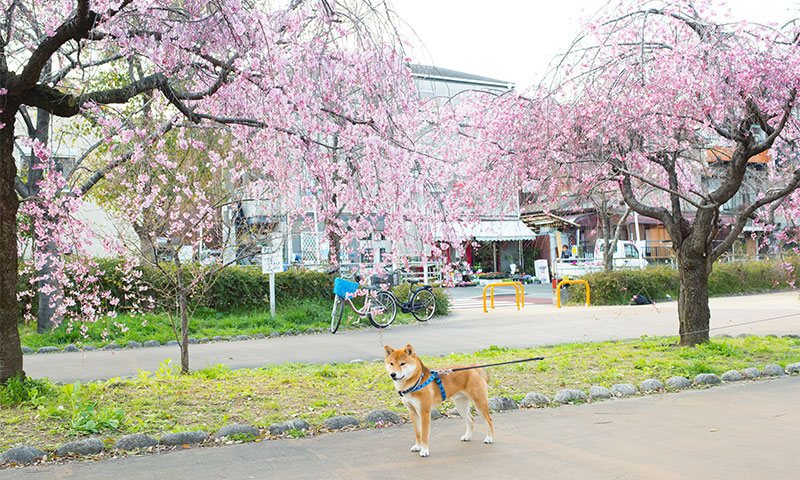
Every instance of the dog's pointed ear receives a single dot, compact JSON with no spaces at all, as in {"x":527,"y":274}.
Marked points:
{"x":388,"y":350}
{"x":409,"y":350}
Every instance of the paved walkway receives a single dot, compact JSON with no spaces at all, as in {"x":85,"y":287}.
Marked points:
{"x":463,"y":331}
{"x":739,"y":431}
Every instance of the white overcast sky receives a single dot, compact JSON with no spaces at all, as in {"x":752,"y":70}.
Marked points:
{"x":515,"y":40}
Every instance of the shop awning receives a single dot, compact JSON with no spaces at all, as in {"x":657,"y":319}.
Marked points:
{"x":501,"y":230}
{"x":538,"y":220}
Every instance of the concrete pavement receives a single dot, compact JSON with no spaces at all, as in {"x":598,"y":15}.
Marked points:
{"x":748,"y":430}
{"x":462,"y":331}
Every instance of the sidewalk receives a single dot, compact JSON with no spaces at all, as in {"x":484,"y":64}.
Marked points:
{"x":743,"y":431}
{"x":462,"y":331}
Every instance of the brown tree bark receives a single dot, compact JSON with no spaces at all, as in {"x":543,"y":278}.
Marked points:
{"x":49,"y":291}
{"x":336,"y":246}
{"x":10,"y":349}
{"x":184,"y":340}
{"x":181,"y":293}
{"x":693,"y":312}
{"x":146,"y":246}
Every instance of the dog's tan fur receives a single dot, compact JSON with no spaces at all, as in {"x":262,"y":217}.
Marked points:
{"x":463,"y":387}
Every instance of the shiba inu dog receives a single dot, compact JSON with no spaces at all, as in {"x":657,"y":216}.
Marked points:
{"x":423,"y":390}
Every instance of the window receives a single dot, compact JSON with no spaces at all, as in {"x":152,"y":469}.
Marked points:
{"x":309,"y":242}
{"x":631,"y":251}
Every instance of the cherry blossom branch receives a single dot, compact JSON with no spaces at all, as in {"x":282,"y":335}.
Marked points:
{"x":100,"y":174}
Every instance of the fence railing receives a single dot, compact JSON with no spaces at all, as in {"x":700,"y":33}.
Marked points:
{"x":426,"y":273}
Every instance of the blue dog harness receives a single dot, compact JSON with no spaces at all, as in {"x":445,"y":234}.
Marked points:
{"x":434,"y":377}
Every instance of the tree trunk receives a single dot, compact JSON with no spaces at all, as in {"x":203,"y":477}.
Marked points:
{"x":335,"y":244}
{"x":604,"y":221}
{"x":183,"y":342}
{"x":608,"y":257}
{"x":693,"y":311}
{"x":50,"y":292}
{"x":10,"y":349}
{"x":146,"y":245}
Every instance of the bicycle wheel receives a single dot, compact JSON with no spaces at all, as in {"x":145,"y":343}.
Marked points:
{"x":423,"y":304}
{"x":382,"y":310}
{"x":336,"y":313}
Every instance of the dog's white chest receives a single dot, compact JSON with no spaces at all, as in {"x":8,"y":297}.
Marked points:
{"x":410,"y":402}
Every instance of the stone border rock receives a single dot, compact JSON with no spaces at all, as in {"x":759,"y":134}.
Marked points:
{"x":707,"y":379}
{"x":651,"y":385}
{"x":624,"y":389}
{"x":534,"y":399}
{"x":183,"y":438}
{"x":282,"y":427}
{"x":568,"y":396}
{"x":732,"y":376}
{"x":340,"y":421}
{"x":135,"y":441}
{"x":499,"y":404}
{"x":383,"y":417}
{"x":22,"y":454}
{"x":596,"y":392}
{"x":87,"y":446}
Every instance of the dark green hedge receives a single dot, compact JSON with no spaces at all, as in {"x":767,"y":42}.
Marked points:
{"x":656,"y":282}
{"x":242,"y":288}
{"x":234,"y":288}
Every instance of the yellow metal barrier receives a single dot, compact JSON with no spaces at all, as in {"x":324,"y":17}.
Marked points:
{"x":564,"y":282}
{"x":518,"y":288}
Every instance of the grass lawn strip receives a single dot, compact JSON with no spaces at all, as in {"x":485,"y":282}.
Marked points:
{"x":159,"y":402}
{"x":295,"y":317}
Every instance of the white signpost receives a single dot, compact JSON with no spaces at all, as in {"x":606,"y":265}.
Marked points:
{"x":271,"y":263}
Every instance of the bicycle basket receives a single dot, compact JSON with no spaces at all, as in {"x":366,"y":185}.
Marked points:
{"x":382,"y":279}
{"x":344,"y":288}
{"x":397,"y":277}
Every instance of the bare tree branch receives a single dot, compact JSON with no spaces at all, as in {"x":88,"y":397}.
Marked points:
{"x":742,"y":218}
{"x":77,"y":27}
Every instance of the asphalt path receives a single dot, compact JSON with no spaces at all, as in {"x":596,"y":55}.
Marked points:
{"x":463,"y":331}
{"x":743,"y":431}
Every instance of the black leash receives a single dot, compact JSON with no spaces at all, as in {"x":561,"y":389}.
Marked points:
{"x":445,"y":371}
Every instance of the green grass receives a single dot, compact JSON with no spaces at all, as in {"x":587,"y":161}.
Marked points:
{"x":297,"y":316}
{"x":47,"y":415}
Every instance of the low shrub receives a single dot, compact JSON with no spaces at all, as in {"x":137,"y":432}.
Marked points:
{"x":658,"y":281}
{"x":234,"y":288}
{"x":17,"y":391}
{"x":492,"y":275}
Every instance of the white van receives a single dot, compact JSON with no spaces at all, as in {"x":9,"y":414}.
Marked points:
{"x":625,"y":256}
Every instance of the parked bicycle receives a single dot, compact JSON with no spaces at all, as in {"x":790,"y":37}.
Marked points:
{"x":421,"y":302}
{"x":379,"y":305}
